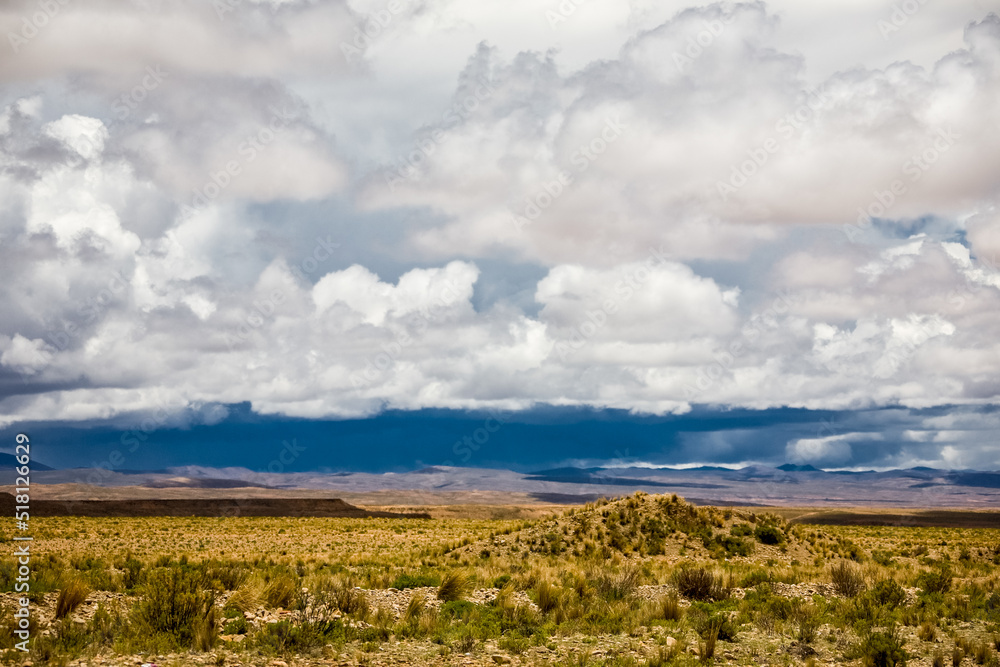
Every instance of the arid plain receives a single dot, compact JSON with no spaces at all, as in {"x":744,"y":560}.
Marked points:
{"x":491,"y":578}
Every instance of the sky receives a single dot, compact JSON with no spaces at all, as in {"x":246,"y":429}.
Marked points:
{"x":654,"y":232}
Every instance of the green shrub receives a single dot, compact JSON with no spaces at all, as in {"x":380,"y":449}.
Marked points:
{"x":741,"y":530}
{"x":768,"y":534}
{"x":938,"y":580}
{"x":237,"y":626}
{"x":501,"y":581}
{"x":883,"y":649}
{"x":457,"y":609}
{"x":170,"y":602}
{"x":717,"y":624}
{"x":883,"y":558}
{"x":284,"y":637}
{"x":756,"y":577}
{"x":888,"y":593}
{"x":514,"y":643}
{"x":734,"y":546}
{"x":132,"y":572}
{"x":226,"y":575}
{"x":808,"y":619}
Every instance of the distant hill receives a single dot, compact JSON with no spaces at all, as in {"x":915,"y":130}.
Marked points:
{"x":757,"y":485}
{"x":215,"y":507}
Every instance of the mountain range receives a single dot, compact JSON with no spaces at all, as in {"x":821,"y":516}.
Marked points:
{"x":785,"y":485}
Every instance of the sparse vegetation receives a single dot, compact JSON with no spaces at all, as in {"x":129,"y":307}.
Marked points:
{"x":644,"y":580}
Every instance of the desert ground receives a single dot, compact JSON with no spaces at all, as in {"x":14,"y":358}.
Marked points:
{"x":639,"y":580}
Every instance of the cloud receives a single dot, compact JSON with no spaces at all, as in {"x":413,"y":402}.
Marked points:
{"x":831,"y":451}
{"x":597,"y":164}
{"x":225,"y":209}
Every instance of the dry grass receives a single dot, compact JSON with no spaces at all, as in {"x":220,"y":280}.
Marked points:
{"x":454,"y":586}
{"x":670,"y":607}
{"x":71,"y":596}
{"x":847,"y":578}
{"x":600,"y":573}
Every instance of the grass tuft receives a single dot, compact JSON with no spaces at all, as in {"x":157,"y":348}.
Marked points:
{"x":71,"y":596}
{"x":454,"y":586}
{"x":847,"y":579}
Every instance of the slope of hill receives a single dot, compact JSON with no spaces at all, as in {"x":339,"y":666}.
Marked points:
{"x":647,"y":525}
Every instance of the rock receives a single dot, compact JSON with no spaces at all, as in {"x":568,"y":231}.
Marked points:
{"x":499,"y":659}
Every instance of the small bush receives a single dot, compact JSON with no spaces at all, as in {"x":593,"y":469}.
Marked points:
{"x":768,"y":534}
{"x":755,"y":578}
{"x":713,"y":625}
{"x":514,"y":643}
{"x":454,"y":586}
{"x":734,"y":546}
{"x":883,"y":649}
{"x":938,"y":580}
{"x":170,"y":603}
{"x":284,"y":637}
{"x":888,"y":593}
{"x":618,"y":585}
{"x":697,"y":583}
{"x":281,"y":592}
{"x":670,"y":608}
{"x":71,"y":596}
{"x":927,"y":632}
{"x":809,"y":621}
{"x":847,"y":579}
{"x":132,"y":568}
{"x":237,"y":626}
{"x":741,"y":530}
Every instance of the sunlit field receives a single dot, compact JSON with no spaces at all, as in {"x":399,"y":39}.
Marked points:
{"x":644,"y":580}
